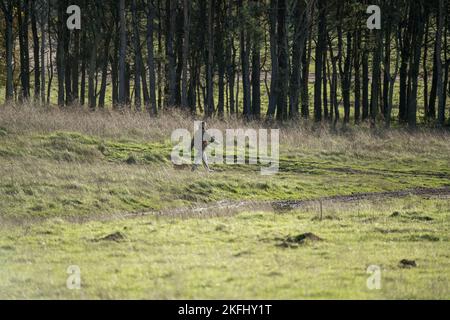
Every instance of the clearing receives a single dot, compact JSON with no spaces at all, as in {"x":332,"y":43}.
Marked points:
{"x":79,"y":188}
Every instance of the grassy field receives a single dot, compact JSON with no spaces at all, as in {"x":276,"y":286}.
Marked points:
{"x":80,"y":188}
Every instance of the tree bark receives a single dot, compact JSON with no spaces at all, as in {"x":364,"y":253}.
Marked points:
{"x":60,"y":54}
{"x":186,"y":39}
{"x":7,"y":8}
{"x":283,"y":62}
{"x":320,"y":47}
{"x":273,"y":95}
{"x":137,"y":58}
{"x":36,"y":51}
{"x":122,"y":54}
{"x":440,"y":90}
{"x":151,"y":58}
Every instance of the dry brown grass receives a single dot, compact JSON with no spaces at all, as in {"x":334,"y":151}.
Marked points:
{"x":25,"y":119}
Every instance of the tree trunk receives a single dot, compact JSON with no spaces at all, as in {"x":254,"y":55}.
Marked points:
{"x":171,"y":55}
{"x":320,"y":47}
{"x":416,"y":44}
{"x":60,"y":56}
{"x":301,"y":30}
{"x":245,"y":57}
{"x":405,"y":40}
{"x":440,"y":90}
{"x":334,"y":82}
{"x":23,"y":21}
{"x":273,"y":95}
{"x":346,"y":78}
{"x":102,"y":94}
{"x":305,"y":78}
{"x":7,"y":8}
{"x":36,"y":51}
{"x":387,"y":69}
{"x":137,"y":58}
{"x":151,"y":58}
{"x":283,"y":62}
{"x":92,"y":99}
{"x":256,"y":81}
{"x":122,"y":54}
{"x":75,"y":66}
{"x":357,"y":63}
{"x":184,"y":78}
{"x":231,"y":71}
{"x":376,"y":74}
{"x":42,"y":25}
{"x":365,"y":81}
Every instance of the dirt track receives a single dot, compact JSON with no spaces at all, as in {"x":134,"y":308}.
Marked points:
{"x":231,"y":207}
{"x":228,"y":208}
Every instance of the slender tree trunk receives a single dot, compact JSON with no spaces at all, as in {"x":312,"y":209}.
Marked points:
{"x":301,"y":30}
{"x":122,"y":54}
{"x":171,"y":55}
{"x":160,"y":82}
{"x":23,"y":21}
{"x":347,"y":76}
{"x":334,"y":82}
{"x":7,"y":8}
{"x":439,"y":70}
{"x":137,"y":59}
{"x":392,"y":79}
{"x":60,"y":54}
{"x":231,"y":71}
{"x":416,"y":43}
{"x":151,"y":58}
{"x":425,"y":66}
{"x":376,"y":74}
{"x":36,"y":51}
{"x":209,"y":105}
{"x":387,"y":69}
{"x":220,"y":54}
{"x":83,"y":68}
{"x":446,"y":92}
{"x":365,"y":82}
{"x":50,"y":60}
{"x":283,"y":62}
{"x":102,"y":94}
{"x":68,"y":66}
{"x":92,"y":70}
{"x":404,"y":78}
{"x":186,"y":39}
{"x":245,"y":57}
{"x":273,"y":96}
{"x":357,"y":63}
{"x":42,"y":26}
{"x":75,"y":66}
{"x":321,"y":45}
{"x":256,"y":81}
{"x":305,"y":78}
{"x":114,"y":60}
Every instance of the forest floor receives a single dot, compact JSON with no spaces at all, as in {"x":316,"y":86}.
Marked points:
{"x":79,"y":188}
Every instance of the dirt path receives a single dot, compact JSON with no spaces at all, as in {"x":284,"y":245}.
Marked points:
{"x":224,"y":208}
{"x":228,"y":208}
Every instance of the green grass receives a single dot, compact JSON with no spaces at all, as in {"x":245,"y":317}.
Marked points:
{"x":67,"y":174}
{"x":69,"y":179}
{"x":236,"y":257}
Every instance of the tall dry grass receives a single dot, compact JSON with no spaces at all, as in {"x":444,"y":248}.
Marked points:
{"x":29,"y":119}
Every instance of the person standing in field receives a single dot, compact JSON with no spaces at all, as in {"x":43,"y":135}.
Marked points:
{"x":199,"y":143}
